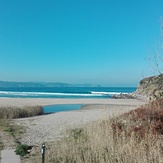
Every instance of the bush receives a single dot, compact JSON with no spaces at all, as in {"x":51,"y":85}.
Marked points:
{"x":22,"y":149}
{"x":147,"y":118}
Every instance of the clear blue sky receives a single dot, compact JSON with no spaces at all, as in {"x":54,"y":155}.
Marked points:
{"x":102,"y":42}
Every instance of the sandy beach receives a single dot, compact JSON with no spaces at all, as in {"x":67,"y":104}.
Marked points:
{"x":53,"y":101}
{"x":51,"y":127}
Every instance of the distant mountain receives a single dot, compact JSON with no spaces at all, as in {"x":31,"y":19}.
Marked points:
{"x":7,"y":84}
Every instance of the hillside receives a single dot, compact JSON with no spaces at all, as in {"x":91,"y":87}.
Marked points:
{"x":150,"y":87}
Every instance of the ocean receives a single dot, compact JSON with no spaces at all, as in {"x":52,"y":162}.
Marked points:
{"x":64,"y":92}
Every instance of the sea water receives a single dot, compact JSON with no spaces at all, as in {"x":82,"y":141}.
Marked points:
{"x":65,"y":92}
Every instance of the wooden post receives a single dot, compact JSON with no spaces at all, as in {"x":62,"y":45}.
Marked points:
{"x":43,"y":153}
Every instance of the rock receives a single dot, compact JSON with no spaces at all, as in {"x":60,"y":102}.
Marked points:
{"x":123,"y":96}
{"x":151,"y":87}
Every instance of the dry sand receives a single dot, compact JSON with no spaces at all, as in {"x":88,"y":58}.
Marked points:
{"x":53,"y":101}
{"x":51,"y":127}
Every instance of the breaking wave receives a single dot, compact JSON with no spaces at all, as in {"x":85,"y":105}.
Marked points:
{"x":57,"y":94}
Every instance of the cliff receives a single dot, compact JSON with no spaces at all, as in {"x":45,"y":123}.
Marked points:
{"x":150,"y":88}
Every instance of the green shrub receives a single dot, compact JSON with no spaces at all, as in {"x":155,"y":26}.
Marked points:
{"x":22,"y":149}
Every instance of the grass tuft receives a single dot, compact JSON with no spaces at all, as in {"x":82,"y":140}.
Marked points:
{"x":20,"y":112}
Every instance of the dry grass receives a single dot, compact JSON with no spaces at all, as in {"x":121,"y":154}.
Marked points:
{"x":130,"y":138}
{"x":20,"y":112}
{"x":133,"y":137}
{"x":148,"y":118}
{"x":99,"y":144}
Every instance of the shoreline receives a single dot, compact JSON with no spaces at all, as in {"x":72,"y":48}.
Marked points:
{"x":54,"y":101}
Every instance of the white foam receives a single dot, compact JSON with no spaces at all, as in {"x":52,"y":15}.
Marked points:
{"x":91,"y":94}
{"x":45,"y":94}
{"x":107,"y":93}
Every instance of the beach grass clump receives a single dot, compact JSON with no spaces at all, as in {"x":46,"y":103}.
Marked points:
{"x":148,"y":118}
{"x":132,"y":137}
{"x":20,"y":112}
{"x":101,"y":144}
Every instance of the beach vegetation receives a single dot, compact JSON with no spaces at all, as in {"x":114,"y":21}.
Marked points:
{"x":77,"y":134}
{"x":20,"y":112}
{"x":9,"y":133}
{"x":10,"y":130}
{"x":22,"y":149}
{"x":9,"y":127}
{"x":13,"y":130}
{"x":135,"y":136}
{"x":1,"y":145}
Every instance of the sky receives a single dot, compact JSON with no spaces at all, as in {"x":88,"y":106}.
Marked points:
{"x":104,"y":42}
